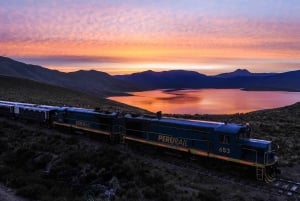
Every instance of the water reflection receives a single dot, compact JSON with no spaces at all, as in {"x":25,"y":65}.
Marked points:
{"x":178,"y":97}
{"x":208,"y":101}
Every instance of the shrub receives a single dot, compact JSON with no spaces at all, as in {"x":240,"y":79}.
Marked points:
{"x":33,"y":191}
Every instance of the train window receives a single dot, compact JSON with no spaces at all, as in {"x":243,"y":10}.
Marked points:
{"x":224,"y":139}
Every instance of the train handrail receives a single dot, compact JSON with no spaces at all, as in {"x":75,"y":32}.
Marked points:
{"x":266,"y":158}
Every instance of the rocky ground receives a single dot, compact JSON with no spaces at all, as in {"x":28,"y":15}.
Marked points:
{"x":48,"y":165}
{"x":7,"y":194}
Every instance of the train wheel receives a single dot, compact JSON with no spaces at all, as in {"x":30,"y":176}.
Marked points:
{"x":270,"y":174}
{"x":269,"y":178}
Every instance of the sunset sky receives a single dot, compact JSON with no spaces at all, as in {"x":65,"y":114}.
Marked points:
{"x":124,"y":36}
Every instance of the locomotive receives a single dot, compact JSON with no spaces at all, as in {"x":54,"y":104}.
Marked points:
{"x":219,"y":140}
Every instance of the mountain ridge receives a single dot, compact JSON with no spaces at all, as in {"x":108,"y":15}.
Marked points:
{"x":103,"y":85}
{"x":242,"y":73}
{"x":92,"y":82}
{"x":241,"y":78}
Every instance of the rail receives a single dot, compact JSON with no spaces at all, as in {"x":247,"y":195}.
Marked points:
{"x":287,"y":187}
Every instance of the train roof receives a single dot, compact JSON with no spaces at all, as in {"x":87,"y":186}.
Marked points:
{"x":210,"y":124}
{"x":17,"y":103}
{"x":36,"y":108}
{"x":49,"y":107}
{"x":89,"y":111}
{"x":6,"y":104}
{"x":228,"y":128}
{"x":263,"y":144}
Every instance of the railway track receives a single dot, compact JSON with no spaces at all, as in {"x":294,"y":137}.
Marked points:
{"x":288,"y":187}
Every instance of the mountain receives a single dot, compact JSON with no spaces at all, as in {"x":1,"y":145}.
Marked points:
{"x":242,"y":73}
{"x":103,"y":85}
{"x":170,"y":79}
{"x":92,"y":82}
{"x":289,"y":81}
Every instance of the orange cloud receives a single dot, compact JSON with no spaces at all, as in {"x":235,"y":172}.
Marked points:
{"x":103,"y":32}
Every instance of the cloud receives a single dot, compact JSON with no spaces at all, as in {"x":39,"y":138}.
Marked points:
{"x":70,"y":32}
{"x":137,"y":23}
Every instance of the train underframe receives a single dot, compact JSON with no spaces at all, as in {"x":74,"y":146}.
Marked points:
{"x":265,"y":173}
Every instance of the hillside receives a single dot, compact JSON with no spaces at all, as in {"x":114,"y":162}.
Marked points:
{"x":48,"y":165}
{"x":23,"y":90}
{"x":93,"y":82}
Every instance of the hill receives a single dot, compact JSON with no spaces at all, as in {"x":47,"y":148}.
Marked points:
{"x":48,"y":165}
{"x":289,"y":81}
{"x":23,"y":90}
{"x":92,"y":82}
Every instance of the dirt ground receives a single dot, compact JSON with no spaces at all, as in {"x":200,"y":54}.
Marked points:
{"x":292,"y":173}
{"x":7,"y":194}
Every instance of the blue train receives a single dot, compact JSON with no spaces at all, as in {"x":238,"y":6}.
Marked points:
{"x":223,"y":141}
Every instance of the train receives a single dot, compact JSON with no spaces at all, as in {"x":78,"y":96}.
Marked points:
{"x":219,"y":140}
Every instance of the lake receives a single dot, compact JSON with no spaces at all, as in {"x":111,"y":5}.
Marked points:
{"x":208,"y":101}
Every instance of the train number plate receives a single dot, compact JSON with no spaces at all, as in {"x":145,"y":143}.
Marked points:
{"x":224,"y":150}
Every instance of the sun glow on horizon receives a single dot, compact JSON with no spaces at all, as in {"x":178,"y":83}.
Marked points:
{"x":121,"y":69}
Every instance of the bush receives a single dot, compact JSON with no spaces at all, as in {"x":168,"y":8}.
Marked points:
{"x":72,"y":140}
{"x":33,"y":191}
{"x":41,"y":160}
{"x":209,"y":195}
{"x":4,"y":172}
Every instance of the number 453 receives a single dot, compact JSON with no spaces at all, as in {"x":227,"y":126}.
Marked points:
{"x":224,"y":150}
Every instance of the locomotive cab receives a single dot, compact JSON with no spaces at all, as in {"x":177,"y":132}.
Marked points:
{"x":260,"y":154}
{"x":233,"y":142}
{"x":255,"y":150}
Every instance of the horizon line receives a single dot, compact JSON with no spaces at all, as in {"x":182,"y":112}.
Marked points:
{"x":128,"y":72}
